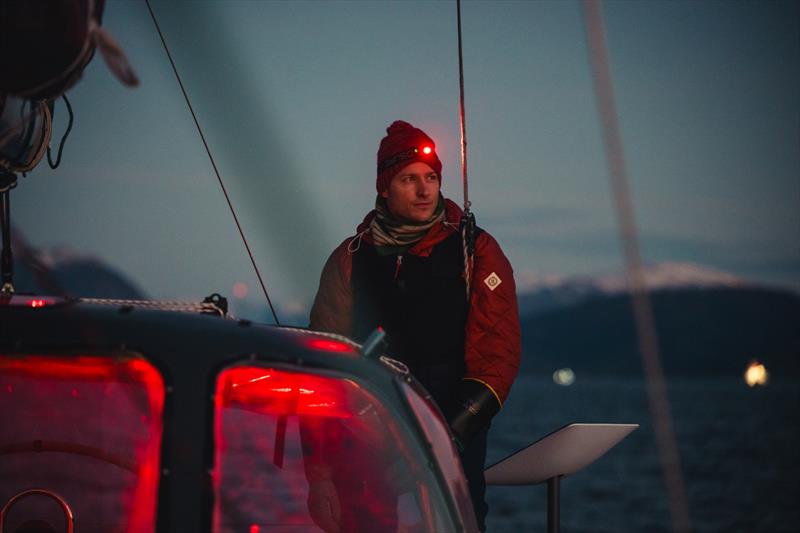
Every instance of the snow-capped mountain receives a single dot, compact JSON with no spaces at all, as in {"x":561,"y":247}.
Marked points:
{"x":540,"y":293}
{"x":708,"y":323}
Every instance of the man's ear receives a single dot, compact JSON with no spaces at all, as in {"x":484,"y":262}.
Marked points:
{"x":385,"y":193}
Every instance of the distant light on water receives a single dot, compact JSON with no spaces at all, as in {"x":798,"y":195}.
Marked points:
{"x":756,"y":374}
{"x":240,"y":290}
{"x":564,"y":376}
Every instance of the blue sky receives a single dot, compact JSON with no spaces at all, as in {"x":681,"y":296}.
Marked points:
{"x":294,"y":96}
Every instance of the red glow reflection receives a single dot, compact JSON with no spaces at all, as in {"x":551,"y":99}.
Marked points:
{"x":427,"y":150}
{"x":31,"y":301}
{"x":328,"y":345}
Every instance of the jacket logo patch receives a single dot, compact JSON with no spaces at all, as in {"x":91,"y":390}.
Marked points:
{"x":493,"y":281}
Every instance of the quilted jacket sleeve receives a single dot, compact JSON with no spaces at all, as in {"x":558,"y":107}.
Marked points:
{"x":493,"y":343}
{"x":333,"y":305}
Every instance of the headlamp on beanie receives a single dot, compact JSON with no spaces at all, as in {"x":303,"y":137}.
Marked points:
{"x":411,"y":153}
{"x":403,"y":145}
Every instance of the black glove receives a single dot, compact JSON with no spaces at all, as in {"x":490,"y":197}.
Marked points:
{"x":473,"y":407}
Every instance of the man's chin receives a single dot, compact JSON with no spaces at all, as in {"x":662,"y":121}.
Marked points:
{"x":421,"y":217}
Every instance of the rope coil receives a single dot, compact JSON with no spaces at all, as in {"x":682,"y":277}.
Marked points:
{"x":54,"y":165}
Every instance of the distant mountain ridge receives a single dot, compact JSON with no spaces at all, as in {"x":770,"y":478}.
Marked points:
{"x":65,"y":272}
{"x":539,"y":294}
{"x":708,"y":322}
{"x":701,"y":332}
{"x":668,"y":274}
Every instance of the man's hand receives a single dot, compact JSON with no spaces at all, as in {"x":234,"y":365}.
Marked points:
{"x":472,"y":410}
{"x":323,"y":505}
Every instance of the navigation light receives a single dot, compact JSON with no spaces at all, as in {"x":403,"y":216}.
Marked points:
{"x":564,"y":376}
{"x":756,"y":374}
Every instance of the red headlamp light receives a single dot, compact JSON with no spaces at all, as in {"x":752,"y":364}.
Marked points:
{"x":411,"y":153}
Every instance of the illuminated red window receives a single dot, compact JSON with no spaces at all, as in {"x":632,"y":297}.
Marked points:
{"x":306,"y":451}
{"x":84,"y":428}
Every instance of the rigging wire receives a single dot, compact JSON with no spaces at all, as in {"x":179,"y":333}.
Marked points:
{"x":468,"y":220}
{"x":642,"y":309}
{"x":462,"y":116}
{"x":214,"y":165}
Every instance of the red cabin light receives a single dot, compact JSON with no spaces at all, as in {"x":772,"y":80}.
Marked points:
{"x":282,"y":393}
{"x":85,"y":368}
{"x":427,"y":150}
{"x":37,"y":303}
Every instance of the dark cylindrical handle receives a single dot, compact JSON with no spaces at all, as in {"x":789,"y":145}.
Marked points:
{"x":7,"y":266}
{"x":553,"y":504}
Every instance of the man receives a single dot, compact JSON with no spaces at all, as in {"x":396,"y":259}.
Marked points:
{"x":404,"y":271}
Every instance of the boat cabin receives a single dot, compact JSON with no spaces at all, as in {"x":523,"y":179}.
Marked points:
{"x":125,"y":416}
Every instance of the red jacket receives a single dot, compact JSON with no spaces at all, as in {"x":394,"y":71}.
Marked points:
{"x":492,"y":334}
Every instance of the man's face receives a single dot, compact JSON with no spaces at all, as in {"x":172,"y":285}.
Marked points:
{"x":414,"y":192}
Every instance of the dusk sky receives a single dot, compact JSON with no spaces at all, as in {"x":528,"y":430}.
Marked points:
{"x":293,"y":98}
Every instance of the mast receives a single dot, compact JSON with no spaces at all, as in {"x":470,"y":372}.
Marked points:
{"x":634,"y":271}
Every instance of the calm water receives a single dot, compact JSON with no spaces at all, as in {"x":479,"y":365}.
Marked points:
{"x":739,"y":449}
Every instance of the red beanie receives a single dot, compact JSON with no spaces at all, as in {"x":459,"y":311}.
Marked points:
{"x":404,"y":144}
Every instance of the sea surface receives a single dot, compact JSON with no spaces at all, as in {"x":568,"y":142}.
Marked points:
{"x":739,"y":448}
